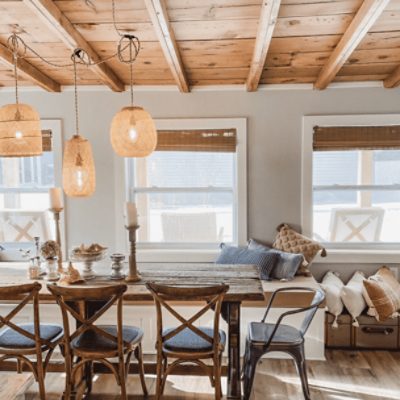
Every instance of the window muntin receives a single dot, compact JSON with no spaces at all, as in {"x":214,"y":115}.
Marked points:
{"x":366,"y":180}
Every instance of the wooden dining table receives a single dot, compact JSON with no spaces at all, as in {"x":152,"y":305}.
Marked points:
{"x":244,"y":286}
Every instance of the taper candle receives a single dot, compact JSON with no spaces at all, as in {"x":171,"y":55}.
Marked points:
{"x":131,"y":216}
{"x":55,"y":198}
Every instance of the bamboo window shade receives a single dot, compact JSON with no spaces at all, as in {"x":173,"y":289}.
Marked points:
{"x":207,"y":140}
{"x":47,"y":140}
{"x":330,"y":138}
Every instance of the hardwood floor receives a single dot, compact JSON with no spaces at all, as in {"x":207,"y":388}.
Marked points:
{"x":344,"y":375}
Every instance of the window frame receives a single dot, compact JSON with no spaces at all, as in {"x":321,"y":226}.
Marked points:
{"x":239,"y":191}
{"x":351,"y":251}
{"x":57,"y":148}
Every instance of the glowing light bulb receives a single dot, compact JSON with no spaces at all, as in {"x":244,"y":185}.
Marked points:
{"x":18,"y":135}
{"x":79,"y":177}
{"x":133,"y":135}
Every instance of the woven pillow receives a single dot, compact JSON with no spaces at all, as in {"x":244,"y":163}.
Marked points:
{"x":332,"y":286}
{"x":352,"y":296}
{"x":382,"y":292}
{"x":286,"y":265}
{"x":291,"y":241}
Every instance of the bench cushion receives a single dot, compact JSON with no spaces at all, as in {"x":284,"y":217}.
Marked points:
{"x":187,"y":340}
{"x":12,"y":339}
{"x":90,"y":340}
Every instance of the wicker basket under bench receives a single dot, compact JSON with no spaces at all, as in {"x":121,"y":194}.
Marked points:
{"x":370,"y":335}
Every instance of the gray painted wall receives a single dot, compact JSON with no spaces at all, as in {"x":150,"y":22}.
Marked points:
{"x":274,"y":144}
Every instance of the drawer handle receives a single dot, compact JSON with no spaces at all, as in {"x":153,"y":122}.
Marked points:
{"x":377,"y":330}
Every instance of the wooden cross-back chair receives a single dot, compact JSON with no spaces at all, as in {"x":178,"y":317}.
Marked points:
{"x":188,"y":343}
{"x":20,"y":340}
{"x":91,"y":342}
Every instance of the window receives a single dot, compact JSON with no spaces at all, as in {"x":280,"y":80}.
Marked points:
{"x":24,"y":185}
{"x":356,"y":186}
{"x":187,"y":191}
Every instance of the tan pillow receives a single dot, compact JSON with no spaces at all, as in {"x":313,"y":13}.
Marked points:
{"x":291,"y":241}
{"x":383,"y":291}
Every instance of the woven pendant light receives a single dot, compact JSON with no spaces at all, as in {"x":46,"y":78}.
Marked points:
{"x":20,"y":133}
{"x":133,"y":132}
{"x":79,"y":179}
{"x":79,"y":176}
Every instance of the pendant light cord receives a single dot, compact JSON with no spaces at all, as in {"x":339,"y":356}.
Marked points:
{"x":74,"y":55}
{"x":15,"y":58}
{"x":131,"y":71}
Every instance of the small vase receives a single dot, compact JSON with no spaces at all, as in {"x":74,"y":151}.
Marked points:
{"x":51,"y":266}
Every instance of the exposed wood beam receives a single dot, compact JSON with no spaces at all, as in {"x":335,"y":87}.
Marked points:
{"x":366,"y":16}
{"x":266,"y":26}
{"x":30,"y":71}
{"x":61,"y":25}
{"x":159,"y":18}
{"x":393,"y":80}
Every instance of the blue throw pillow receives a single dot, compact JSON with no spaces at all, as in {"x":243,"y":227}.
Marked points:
{"x":287,"y":264}
{"x":265,"y":260}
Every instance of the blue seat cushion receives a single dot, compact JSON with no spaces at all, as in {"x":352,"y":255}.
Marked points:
{"x":90,"y":340}
{"x":260,"y":333}
{"x":187,"y":340}
{"x":11,"y":339}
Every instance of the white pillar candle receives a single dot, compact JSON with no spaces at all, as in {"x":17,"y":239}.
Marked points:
{"x":55,"y":198}
{"x":131,"y":216}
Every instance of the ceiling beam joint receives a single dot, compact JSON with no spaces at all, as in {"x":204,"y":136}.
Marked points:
{"x":52,"y":16}
{"x":162,"y":26}
{"x":365,"y":18}
{"x":266,"y":26}
{"x":28,"y":70}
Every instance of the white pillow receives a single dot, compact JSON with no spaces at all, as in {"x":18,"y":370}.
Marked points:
{"x":352,"y":296}
{"x":333,"y":286}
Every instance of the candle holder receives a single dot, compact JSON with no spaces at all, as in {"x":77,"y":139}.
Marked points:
{"x":133,"y":274}
{"x":56,"y":215}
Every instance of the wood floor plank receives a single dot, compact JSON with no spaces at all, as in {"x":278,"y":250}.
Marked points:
{"x":368,"y":375}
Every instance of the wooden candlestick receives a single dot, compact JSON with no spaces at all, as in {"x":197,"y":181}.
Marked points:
{"x":56,"y":215}
{"x":133,"y":274}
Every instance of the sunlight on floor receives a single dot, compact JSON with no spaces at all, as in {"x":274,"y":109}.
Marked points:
{"x":193,"y":384}
{"x":342,"y":387}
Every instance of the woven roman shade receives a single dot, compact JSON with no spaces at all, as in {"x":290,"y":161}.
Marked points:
{"x":47,"y":140}
{"x":210,"y":140}
{"x":330,"y":138}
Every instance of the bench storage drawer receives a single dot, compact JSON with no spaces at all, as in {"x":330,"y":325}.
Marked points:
{"x":373,"y":334}
{"x":340,"y":337}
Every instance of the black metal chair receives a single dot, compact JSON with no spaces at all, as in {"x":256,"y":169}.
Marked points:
{"x":265,"y":337}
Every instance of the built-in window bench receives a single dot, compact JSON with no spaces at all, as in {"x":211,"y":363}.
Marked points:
{"x":143,"y":313}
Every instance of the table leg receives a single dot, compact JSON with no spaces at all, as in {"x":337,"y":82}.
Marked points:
{"x":234,"y":384}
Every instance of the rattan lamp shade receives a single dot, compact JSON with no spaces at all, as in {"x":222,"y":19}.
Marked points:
{"x":20,"y":134}
{"x":133,"y":133}
{"x":79,"y":178}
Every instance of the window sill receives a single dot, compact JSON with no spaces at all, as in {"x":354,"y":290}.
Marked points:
{"x":335,"y":256}
{"x":360,"y":256}
{"x":177,"y":255}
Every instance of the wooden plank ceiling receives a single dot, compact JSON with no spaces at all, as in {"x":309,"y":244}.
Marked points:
{"x":209,"y":42}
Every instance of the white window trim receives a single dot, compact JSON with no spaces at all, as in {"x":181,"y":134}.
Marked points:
{"x":57,"y":142}
{"x":338,"y":255}
{"x":155,"y":254}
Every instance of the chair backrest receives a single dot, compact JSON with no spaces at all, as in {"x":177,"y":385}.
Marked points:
{"x":72,"y":302}
{"x":310,"y":311}
{"x":212,"y":295}
{"x":356,"y":224}
{"x":25,"y":294}
{"x":190,"y":227}
{"x":24,"y":225}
